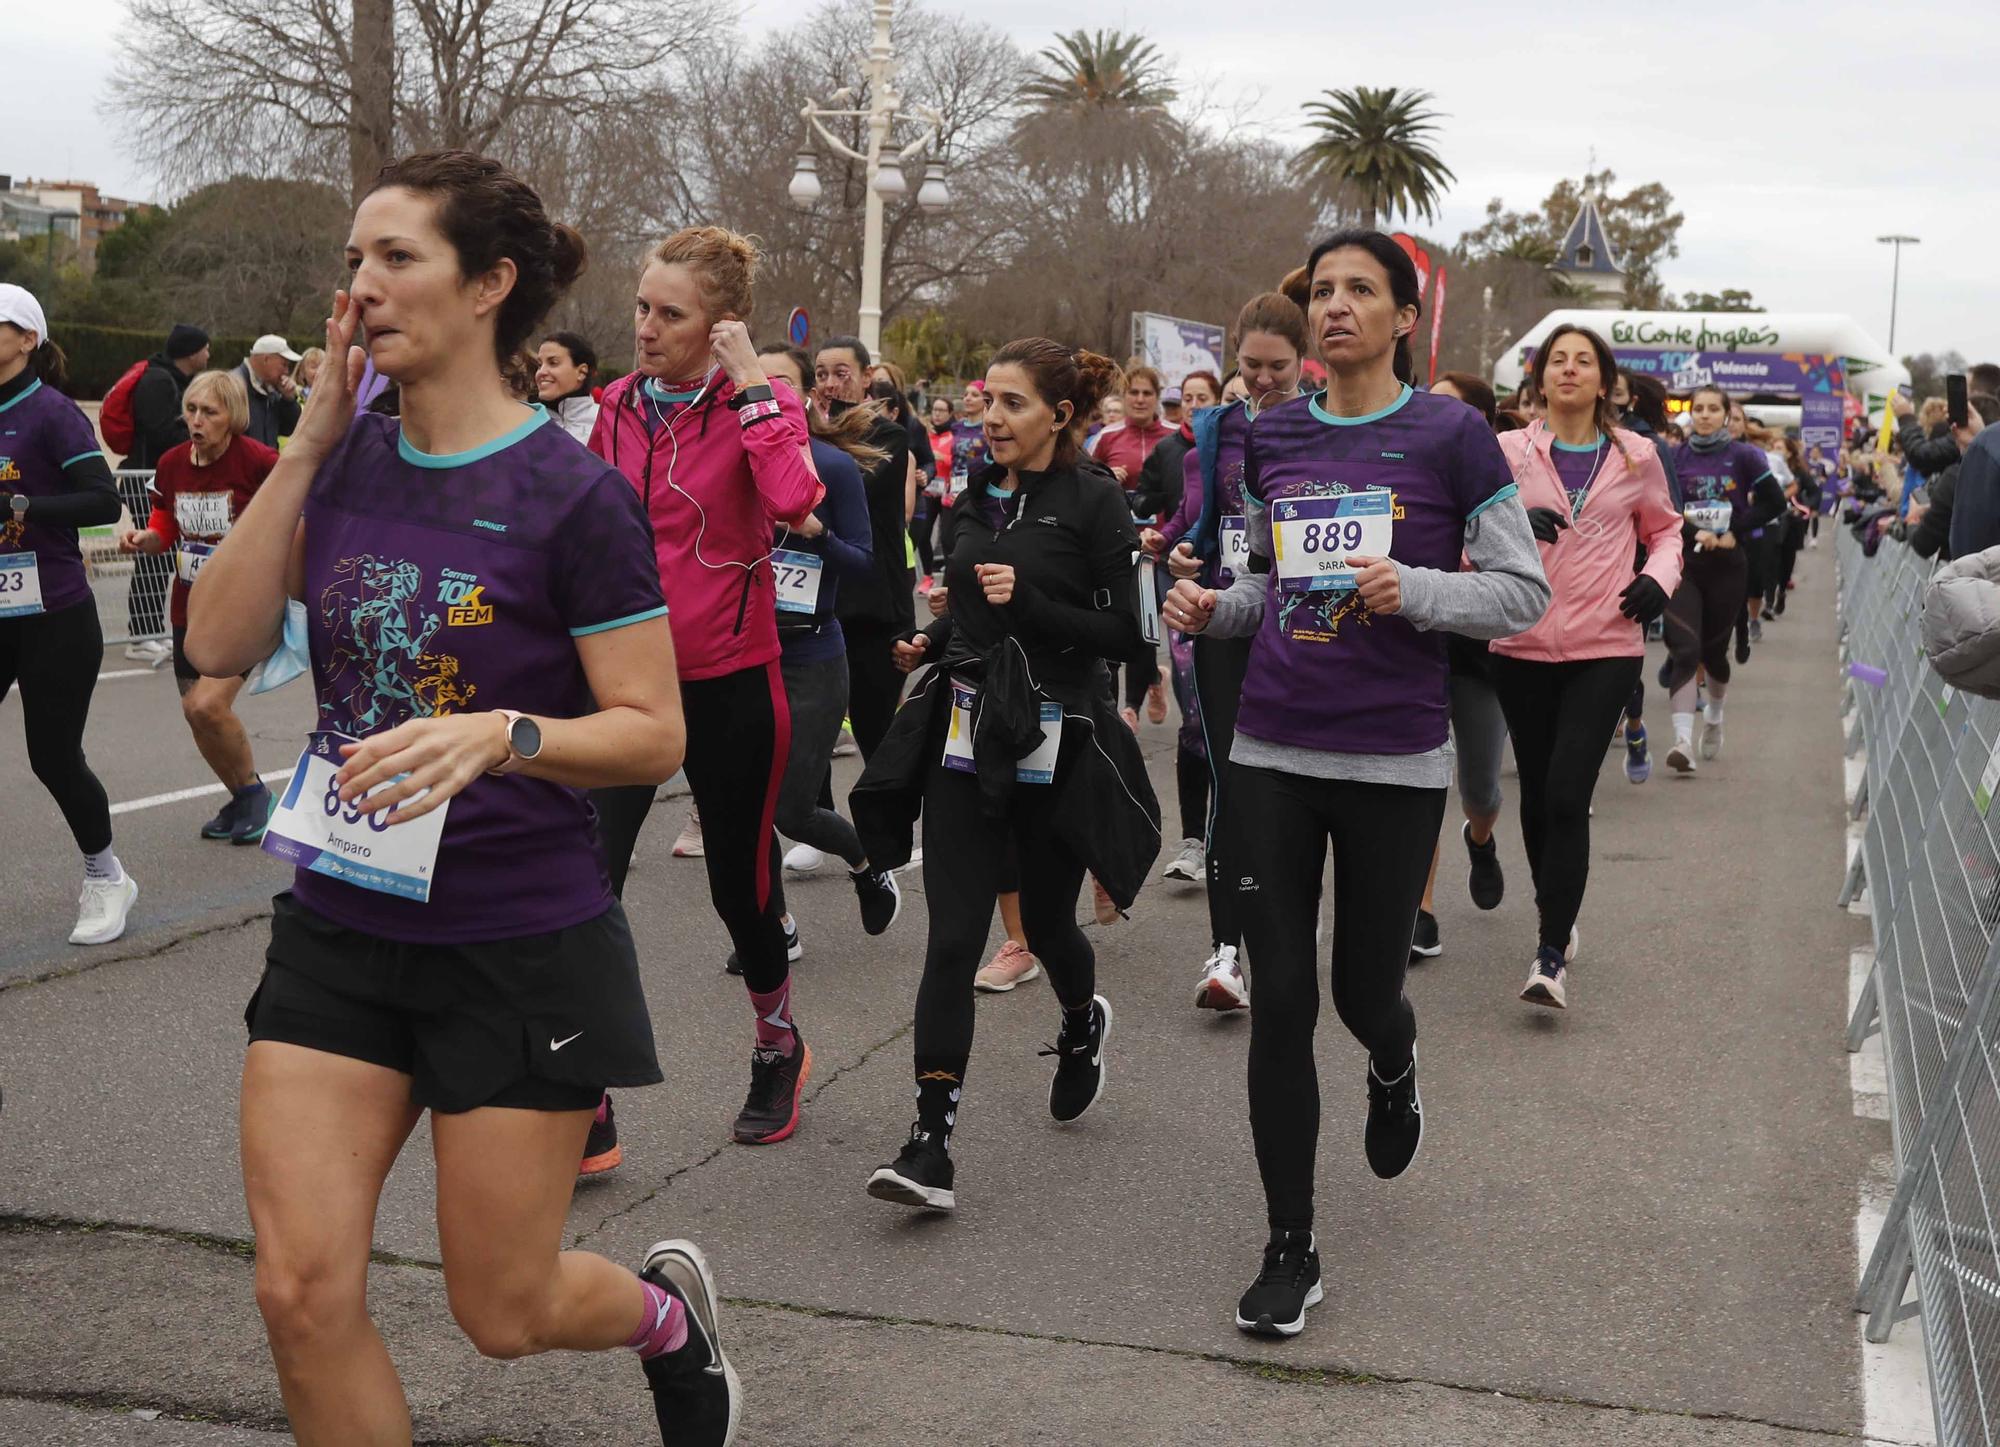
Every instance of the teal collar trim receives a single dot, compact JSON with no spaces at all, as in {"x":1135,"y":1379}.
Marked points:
{"x":23,"y":395}
{"x":1320,"y":412}
{"x":501,"y":443}
{"x":1591,"y":446}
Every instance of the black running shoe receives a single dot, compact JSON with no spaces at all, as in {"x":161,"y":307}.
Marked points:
{"x":1079,"y":1054}
{"x":1424,"y":941}
{"x":919,"y":1176}
{"x":1486,"y":884}
{"x":224,"y":822}
{"x":794,"y":951}
{"x":253,"y":813}
{"x":771,"y":1110}
{"x":696,"y":1395}
{"x":881,"y":899}
{"x":1742,"y":647}
{"x":601,"y":1150}
{"x":1395,"y":1122}
{"x":1275,"y":1304}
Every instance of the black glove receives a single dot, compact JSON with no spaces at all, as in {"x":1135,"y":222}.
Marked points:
{"x":1547,"y":523}
{"x":1642,"y":601}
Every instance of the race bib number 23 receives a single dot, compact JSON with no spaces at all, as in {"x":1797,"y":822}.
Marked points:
{"x":20,"y":585}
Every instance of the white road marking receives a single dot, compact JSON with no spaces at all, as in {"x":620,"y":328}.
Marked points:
{"x":104,"y":677}
{"x":132,"y":806}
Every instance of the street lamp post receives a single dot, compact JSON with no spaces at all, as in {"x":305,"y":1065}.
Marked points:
{"x":883,"y":174}
{"x":1896,"y":278}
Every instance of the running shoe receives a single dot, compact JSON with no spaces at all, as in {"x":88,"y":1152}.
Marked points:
{"x":1275,"y":1304}
{"x":1395,"y":1121}
{"x":697,"y":1398}
{"x":880,"y":897}
{"x":771,"y":1111}
{"x":1546,"y":978}
{"x":151,"y":652}
{"x":1424,"y":941}
{"x":920,"y":1175}
{"x":1080,"y":1073}
{"x":1638,"y":758}
{"x":1190,"y":864}
{"x":1131,"y":717}
{"x":1680,"y":758}
{"x":1485,"y":883}
{"x":601,"y":1150}
{"x":688,"y":844}
{"x":1222,"y":984}
{"x":1107,"y":912}
{"x":794,"y":950}
{"x":1742,"y":647}
{"x":1011,"y":965}
{"x":1156,"y":698}
{"x":224,"y":822}
{"x":253,"y":814}
{"x":844,"y":747}
{"x":1572,"y":949}
{"x":924,"y":585}
{"x":1711,"y":739}
{"x":1757,"y":629}
{"x":803,"y":859}
{"x":101,"y":910}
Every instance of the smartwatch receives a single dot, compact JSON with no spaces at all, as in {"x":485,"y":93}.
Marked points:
{"x":761,"y":392}
{"x":19,"y":503}
{"x":524,"y":741}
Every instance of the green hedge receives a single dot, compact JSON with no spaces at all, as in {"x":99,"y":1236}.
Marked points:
{"x":98,"y":356}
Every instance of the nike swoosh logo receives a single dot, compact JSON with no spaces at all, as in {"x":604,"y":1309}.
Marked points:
{"x":555,"y":1045}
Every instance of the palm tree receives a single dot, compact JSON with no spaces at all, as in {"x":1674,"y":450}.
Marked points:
{"x":1372,"y":151}
{"x":1102,"y":71}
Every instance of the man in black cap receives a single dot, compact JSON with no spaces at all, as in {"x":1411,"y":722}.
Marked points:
{"x":157,"y":425}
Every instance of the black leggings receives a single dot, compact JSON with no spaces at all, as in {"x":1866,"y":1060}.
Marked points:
{"x":739,"y":731}
{"x":1559,"y":715}
{"x":55,"y":658}
{"x":1701,"y":614}
{"x":1382,"y":836}
{"x":967,"y":854}
{"x":1219,"y":666}
{"x":874,"y":686}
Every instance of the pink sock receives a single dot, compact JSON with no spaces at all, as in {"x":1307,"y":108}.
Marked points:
{"x":665,"y":1327}
{"x":774,"y":1018}
{"x":603,"y":1108}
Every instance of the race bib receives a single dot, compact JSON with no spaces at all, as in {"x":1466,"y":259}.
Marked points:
{"x":1038,"y":767}
{"x":1711,"y":517}
{"x":1312,"y":538}
{"x":1234,"y":556}
{"x":798,"y":576}
{"x":20,"y":585}
{"x":189,"y":558}
{"x":202,"y":514}
{"x":313,"y":829}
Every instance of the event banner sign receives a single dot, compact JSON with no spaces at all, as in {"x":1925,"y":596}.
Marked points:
{"x":1176,"y":345}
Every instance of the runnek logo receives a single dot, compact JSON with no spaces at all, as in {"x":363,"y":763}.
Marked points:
{"x":464,"y":597}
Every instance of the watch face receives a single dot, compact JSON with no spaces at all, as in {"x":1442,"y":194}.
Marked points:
{"x":525,"y":737}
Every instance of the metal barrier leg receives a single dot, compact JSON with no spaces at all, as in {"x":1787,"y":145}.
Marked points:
{"x":1866,"y":1019}
{"x":1854,"y":736}
{"x":1859,"y":802}
{"x":1889,"y":1308}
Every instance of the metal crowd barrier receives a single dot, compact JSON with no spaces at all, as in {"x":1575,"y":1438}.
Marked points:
{"x":130,"y":588}
{"x":1930,"y":859}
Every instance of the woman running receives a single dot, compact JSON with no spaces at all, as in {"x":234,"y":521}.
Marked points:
{"x":1360,"y":502}
{"x":488,"y":641}
{"x":203,"y":485}
{"x":1010,"y":736}
{"x":1595,"y":493}
{"x":565,"y":373}
{"x":1727,"y":491}
{"x":1206,"y":540}
{"x":1642,"y":404}
{"x":719,"y":458}
{"x":53,"y":481}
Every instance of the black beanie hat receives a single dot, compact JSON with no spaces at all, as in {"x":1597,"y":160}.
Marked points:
{"x":185,"y":340}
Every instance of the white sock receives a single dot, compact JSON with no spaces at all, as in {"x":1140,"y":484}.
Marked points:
{"x":1713,"y":712}
{"x":1683,"y":728}
{"x":103,"y":866}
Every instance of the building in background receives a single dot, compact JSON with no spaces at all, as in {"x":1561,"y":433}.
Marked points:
{"x":81,"y":213}
{"x":1587,"y":261}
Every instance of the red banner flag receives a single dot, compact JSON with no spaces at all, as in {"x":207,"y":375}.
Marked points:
{"x":1437,"y":326}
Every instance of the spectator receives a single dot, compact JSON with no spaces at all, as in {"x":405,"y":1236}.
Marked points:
{"x":1170,"y":406}
{"x":1931,"y":525}
{"x":307,"y":369}
{"x":1925,"y":437}
{"x":266,"y":375}
{"x":565,"y":371}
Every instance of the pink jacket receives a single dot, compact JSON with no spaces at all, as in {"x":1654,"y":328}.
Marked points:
{"x":713,"y":491}
{"x":1591,"y":563}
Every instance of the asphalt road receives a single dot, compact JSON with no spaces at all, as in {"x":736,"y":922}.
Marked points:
{"x":1631,"y":1223}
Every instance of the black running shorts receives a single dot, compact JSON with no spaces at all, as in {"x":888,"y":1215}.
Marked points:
{"x":543,"y":1022}
{"x":183,"y":670}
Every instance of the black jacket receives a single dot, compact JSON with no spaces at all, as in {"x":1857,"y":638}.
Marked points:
{"x":1163,"y":476}
{"x":883,"y":598}
{"x":157,"y":423}
{"x":1929,"y":455}
{"x":1931,"y":537}
{"x":272,"y":414}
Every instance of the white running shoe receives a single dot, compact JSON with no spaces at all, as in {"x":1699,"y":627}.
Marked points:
{"x":1547,"y":977}
{"x":1680,"y":758}
{"x":803,"y":859}
{"x":688,"y":845}
{"x":1011,"y":965}
{"x":1570,"y":950}
{"x":1190,"y":864}
{"x":150,"y":651}
{"x":1222,"y":984}
{"x":101,"y":910}
{"x":1711,"y":739}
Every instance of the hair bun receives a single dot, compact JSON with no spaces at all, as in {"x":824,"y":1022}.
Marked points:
{"x":569,"y":254}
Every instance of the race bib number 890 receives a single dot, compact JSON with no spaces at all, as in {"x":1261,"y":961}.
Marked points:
{"x":1312,"y":538}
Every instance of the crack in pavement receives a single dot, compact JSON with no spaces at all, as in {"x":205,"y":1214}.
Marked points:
{"x":150,"y":952}
{"x":1275,"y":1372}
{"x":195,"y":1414}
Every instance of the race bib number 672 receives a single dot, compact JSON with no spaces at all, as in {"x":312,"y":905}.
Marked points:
{"x":1313,"y":537}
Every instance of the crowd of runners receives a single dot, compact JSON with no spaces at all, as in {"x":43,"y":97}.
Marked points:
{"x":527,"y":595}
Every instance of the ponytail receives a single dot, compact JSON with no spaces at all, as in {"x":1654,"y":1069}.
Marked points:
{"x":51,"y":365}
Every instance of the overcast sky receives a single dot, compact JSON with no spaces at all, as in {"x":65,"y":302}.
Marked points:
{"x":1792,"y":134}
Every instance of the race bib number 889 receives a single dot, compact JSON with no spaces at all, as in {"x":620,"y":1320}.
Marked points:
{"x":1313,"y":537}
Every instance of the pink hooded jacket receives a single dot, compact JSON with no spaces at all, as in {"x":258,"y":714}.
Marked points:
{"x":1591,"y":564}
{"x":712,"y":490}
